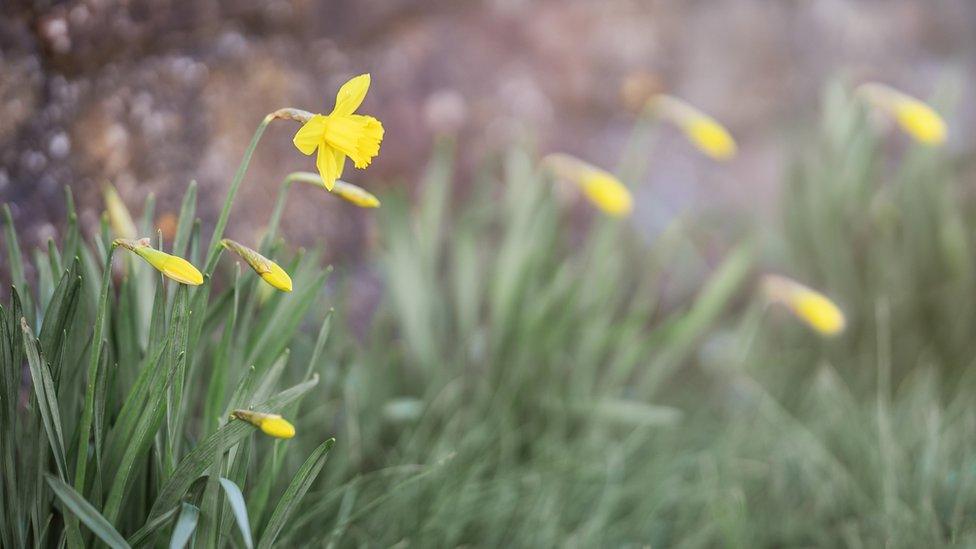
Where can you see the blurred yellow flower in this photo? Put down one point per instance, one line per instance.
(342, 133)
(355, 194)
(915, 117)
(272, 425)
(704, 132)
(267, 269)
(172, 266)
(118, 215)
(600, 187)
(810, 306)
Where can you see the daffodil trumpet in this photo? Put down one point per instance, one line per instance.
(600, 187)
(813, 308)
(173, 267)
(342, 133)
(272, 425)
(915, 117)
(703, 131)
(268, 270)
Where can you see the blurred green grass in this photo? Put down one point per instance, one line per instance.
(528, 379)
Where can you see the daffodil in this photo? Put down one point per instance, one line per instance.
(272, 425)
(118, 215)
(342, 133)
(810, 306)
(917, 119)
(600, 187)
(704, 132)
(267, 269)
(172, 266)
(355, 194)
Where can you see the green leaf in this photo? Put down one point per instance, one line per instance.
(199, 459)
(153, 526)
(84, 428)
(47, 398)
(152, 414)
(187, 212)
(16, 263)
(296, 491)
(185, 525)
(88, 514)
(236, 500)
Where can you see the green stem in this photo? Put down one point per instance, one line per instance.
(272, 233)
(218, 233)
(283, 114)
(81, 466)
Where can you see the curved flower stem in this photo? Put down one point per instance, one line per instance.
(284, 114)
(272, 232)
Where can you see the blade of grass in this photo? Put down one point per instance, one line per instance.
(293, 495)
(95, 522)
(236, 500)
(84, 428)
(199, 459)
(47, 398)
(185, 525)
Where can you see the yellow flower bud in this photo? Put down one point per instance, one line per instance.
(267, 269)
(813, 308)
(355, 194)
(916, 118)
(604, 190)
(172, 266)
(703, 131)
(118, 215)
(272, 425)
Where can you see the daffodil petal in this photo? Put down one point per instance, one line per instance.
(270, 271)
(325, 161)
(711, 138)
(921, 122)
(272, 425)
(601, 188)
(810, 306)
(355, 194)
(607, 193)
(915, 117)
(819, 312)
(277, 427)
(278, 278)
(340, 159)
(310, 135)
(703, 131)
(351, 95)
(171, 266)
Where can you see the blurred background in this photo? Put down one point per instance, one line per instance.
(151, 94)
(508, 366)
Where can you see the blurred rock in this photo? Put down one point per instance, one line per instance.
(151, 94)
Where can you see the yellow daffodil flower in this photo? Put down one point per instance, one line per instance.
(118, 215)
(272, 425)
(172, 266)
(342, 133)
(355, 194)
(812, 307)
(600, 187)
(917, 119)
(704, 132)
(267, 269)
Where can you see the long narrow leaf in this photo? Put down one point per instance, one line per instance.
(296, 491)
(88, 514)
